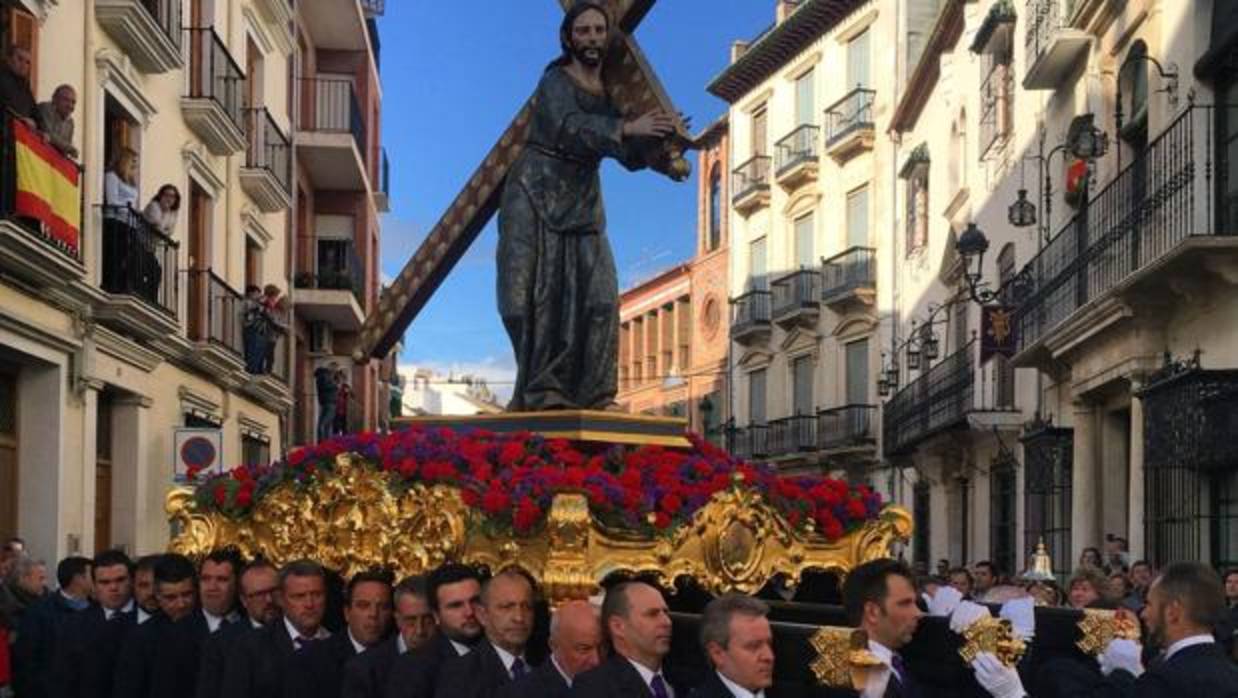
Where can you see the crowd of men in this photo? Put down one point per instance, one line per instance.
(162, 626)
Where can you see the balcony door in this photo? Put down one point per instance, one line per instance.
(760, 132)
(199, 220)
(756, 265)
(201, 16)
(858, 62)
(857, 218)
(805, 99)
(8, 453)
(857, 373)
(756, 397)
(1227, 156)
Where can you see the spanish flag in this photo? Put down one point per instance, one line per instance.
(48, 186)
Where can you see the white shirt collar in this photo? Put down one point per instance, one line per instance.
(737, 690)
(1188, 642)
(212, 621)
(401, 646)
(293, 633)
(255, 624)
(461, 648)
(109, 613)
(559, 668)
(508, 659)
(143, 616)
(647, 674)
(357, 646)
(885, 654)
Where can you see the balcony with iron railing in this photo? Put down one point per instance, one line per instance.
(213, 105)
(335, 292)
(751, 441)
(148, 31)
(382, 194)
(40, 244)
(750, 184)
(332, 138)
(996, 99)
(1156, 220)
(938, 400)
(795, 157)
(849, 125)
(215, 323)
(751, 314)
(1052, 47)
(847, 428)
(790, 436)
(849, 278)
(796, 298)
(139, 274)
(268, 162)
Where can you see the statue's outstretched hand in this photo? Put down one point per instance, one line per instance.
(656, 123)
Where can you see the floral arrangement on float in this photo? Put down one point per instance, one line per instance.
(566, 511)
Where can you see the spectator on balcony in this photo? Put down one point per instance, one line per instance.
(162, 210)
(57, 119)
(120, 197)
(341, 403)
(253, 329)
(15, 93)
(325, 378)
(276, 306)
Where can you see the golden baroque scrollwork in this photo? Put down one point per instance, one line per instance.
(352, 520)
(843, 658)
(1100, 627)
(995, 636)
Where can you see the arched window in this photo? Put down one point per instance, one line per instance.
(715, 209)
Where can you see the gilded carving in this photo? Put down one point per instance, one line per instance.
(1099, 627)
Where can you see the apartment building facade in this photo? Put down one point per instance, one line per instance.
(117, 331)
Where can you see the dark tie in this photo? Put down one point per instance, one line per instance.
(659, 687)
(519, 668)
(906, 685)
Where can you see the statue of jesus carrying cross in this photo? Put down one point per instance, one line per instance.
(557, 287)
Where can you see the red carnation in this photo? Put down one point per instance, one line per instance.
(495, 501)
(661, 521)
(471, 498)
(855, 509)
(296, 457)
(830, 527)
(671, 504)
(703, 469)
(244, 497)
(511, 452)
(527, 514)
(221, 494)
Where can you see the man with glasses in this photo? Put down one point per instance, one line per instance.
(366, 675)
(259, 585)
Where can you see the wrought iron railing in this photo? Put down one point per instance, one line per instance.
(384, 176)
(849, 114)
(797, 147)
(214, 74)
(138, 260)
(1160, 200)
(996, 117)
(215, 311)
(331, 105)
(749, 177)
(374, 7)
(339, 269)
(751, 441)
(848, 425)
(1044, 19)
(937, 400)
(796, 291)
(850, 270)
(750, 310)
(791, 435)
(269, 149)
(167, 15)
(1048, 455)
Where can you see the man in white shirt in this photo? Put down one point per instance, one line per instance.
(737, 638)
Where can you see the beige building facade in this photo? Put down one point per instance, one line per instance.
(108, 348)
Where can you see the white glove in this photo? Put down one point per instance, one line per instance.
(1022, 616)
(966, 614)
(875, 684)
(944, 601)
(999, 680)
(1122, 654)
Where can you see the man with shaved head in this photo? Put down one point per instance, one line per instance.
(575, 647)
(506, 615)
(638, 623)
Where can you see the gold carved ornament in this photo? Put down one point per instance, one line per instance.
(843, 658)
(351, 520)
(995, 636)
(1100, 627)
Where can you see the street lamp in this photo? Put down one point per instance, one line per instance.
(971, 246)
(1022, 212)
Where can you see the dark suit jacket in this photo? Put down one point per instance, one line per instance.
(318, 670)
(37, 637)
(478, 674)
(1198, 670)
(617, 678)
(365, 675)
(174, 669)
(258, 666)
(132, 677)
(713, 687)
(214, 656)
(543, 682)
(415, 674)
(86, 657)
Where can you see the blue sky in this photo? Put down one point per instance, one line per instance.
(454, 75)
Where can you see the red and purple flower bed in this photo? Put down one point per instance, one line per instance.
(512, 478)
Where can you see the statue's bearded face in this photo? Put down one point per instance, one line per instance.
(589, 34)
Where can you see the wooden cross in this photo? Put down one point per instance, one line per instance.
(633, 88)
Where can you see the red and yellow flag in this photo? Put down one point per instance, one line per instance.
(48, 186)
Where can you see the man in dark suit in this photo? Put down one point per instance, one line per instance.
(318, 671)
(144, 587)
(42, 626)
(635, 617)
(506, 616)
(880, 598)
(175, 670)
(575, 647)
(176, 585)
(86, 657)
(365, 676)
(738, 640)
(1184, 605)
(258, 666)
(454, 592)
(259, 583)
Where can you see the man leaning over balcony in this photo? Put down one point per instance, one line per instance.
(57, 119)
